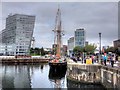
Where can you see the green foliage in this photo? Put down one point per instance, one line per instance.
(54, 50)
(90, 48)
(77, 50)
(38, 51)
(42, 51)
(110, 49)
(117, 51)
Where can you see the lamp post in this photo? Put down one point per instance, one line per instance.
(6, 49)
(99, 47)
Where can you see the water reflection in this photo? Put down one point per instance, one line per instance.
(28, 76)
(35, 76)
(16, 77)
(57, 78)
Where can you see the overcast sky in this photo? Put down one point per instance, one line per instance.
(95, 17)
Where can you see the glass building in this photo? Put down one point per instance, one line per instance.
(70, 46)
(80, 37)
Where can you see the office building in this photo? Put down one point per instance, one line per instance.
(64, 50)
(86, 43)
(70, 46)
(18, 33)
(80, 37)
(116, 43)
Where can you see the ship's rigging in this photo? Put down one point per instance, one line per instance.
(58, 33)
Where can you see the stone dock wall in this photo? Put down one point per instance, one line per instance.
(110, 77)
(94, 74)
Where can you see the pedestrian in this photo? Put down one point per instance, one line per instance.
(74, 59)
(97, 57)
(92, 58)
(112, 61)
(78, 58)
(105, 58)
(116, 58)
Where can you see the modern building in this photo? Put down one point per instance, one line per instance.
(116, 43)
(7, 49)
(64, 50)
(33, 42)
(18, 33)
(80, 37)
(70, 46)
(86, 43)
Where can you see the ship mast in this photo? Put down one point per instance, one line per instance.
(58, 31)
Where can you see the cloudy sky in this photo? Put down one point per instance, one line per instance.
(95, 17)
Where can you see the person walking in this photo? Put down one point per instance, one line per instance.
(111, 60)
(105, 58)
(93, 59)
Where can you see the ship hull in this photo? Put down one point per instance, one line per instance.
(58, 66)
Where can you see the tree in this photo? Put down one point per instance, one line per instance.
(110, 49)
(90, 48)
(31, 50)
(54, 51)
(42, 51)
(77, 50)
(117, 51)
(35, 51)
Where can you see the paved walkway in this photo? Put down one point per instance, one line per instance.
(69, 61)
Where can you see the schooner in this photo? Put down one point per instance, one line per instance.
(59, 62)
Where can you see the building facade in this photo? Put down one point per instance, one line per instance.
(79, 37)
(18, 33)
(116, 43)
(64, 50)
(70, 46)
(86, 43)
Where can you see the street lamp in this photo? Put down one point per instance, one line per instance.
(6, 49)
(99, 47)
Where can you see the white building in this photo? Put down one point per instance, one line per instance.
(18, 33)
(7, 49)
(70, 46)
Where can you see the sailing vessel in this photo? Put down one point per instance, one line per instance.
(59, 62)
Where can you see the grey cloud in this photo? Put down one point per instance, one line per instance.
(95, 17)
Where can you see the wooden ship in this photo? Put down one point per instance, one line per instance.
(59, 62)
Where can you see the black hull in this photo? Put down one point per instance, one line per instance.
(58, 66)
(56, 74)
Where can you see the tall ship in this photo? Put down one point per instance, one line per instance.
(59, 62)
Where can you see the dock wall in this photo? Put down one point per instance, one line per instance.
(94, 74)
